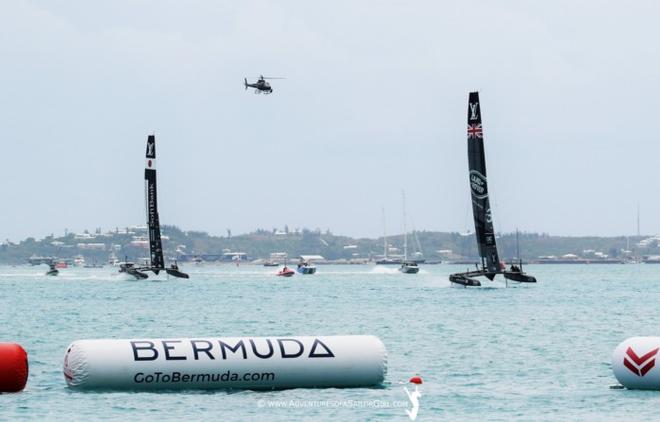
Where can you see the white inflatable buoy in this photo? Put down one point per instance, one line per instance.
(634, 363)
(230, 362)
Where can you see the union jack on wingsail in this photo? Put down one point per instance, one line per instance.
(475, 131)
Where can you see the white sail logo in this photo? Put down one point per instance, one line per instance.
(478, 185)
(150, 149)
(414, 401)
(473, 111)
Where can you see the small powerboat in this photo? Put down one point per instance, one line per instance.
(306, 268)
(409, 267)
(285, 272)
(52, 271)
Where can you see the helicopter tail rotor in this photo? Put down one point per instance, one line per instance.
(245, 84)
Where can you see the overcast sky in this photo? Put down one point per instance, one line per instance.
(375, 101)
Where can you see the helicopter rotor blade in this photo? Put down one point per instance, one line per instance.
(267, 77)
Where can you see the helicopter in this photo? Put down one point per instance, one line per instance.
(261, 85)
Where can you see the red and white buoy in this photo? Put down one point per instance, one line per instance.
(634, 363)
(13, 368)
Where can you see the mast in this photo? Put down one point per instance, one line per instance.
(483, 220)
(638, 219)
(518, 247)
(153, 223)
(417, 244)
(384, 236)
(405, 233)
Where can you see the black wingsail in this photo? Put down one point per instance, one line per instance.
(483, 219)
(153, 223)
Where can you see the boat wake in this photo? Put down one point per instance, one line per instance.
(384, 270)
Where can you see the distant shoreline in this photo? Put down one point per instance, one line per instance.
(131, 243)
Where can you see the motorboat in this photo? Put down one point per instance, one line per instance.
(409, 267)
(285, 272)
(305, 267)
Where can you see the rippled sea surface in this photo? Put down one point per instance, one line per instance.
(530, 352)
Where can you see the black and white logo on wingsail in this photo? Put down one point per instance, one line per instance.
(478, 185)
(473, 111)
(151, 146)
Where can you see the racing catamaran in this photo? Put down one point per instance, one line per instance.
(157, 262)
(483, 219)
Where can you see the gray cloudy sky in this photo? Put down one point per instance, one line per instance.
(375, 101)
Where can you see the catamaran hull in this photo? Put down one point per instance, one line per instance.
(123, 276)
(163, 275)
(463, 281)
(306, 270)
(519, 277)
(135, 274)
(176, 273)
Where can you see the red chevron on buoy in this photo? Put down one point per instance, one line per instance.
(636, 364)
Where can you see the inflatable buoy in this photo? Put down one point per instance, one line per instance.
(635, 365)
(416, 380)
(13, 368)
(235, 362)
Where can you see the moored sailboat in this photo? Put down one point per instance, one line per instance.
(386, 259)
(481, 211)
(156, 261)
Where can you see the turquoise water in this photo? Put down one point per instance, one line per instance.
(528, 352)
